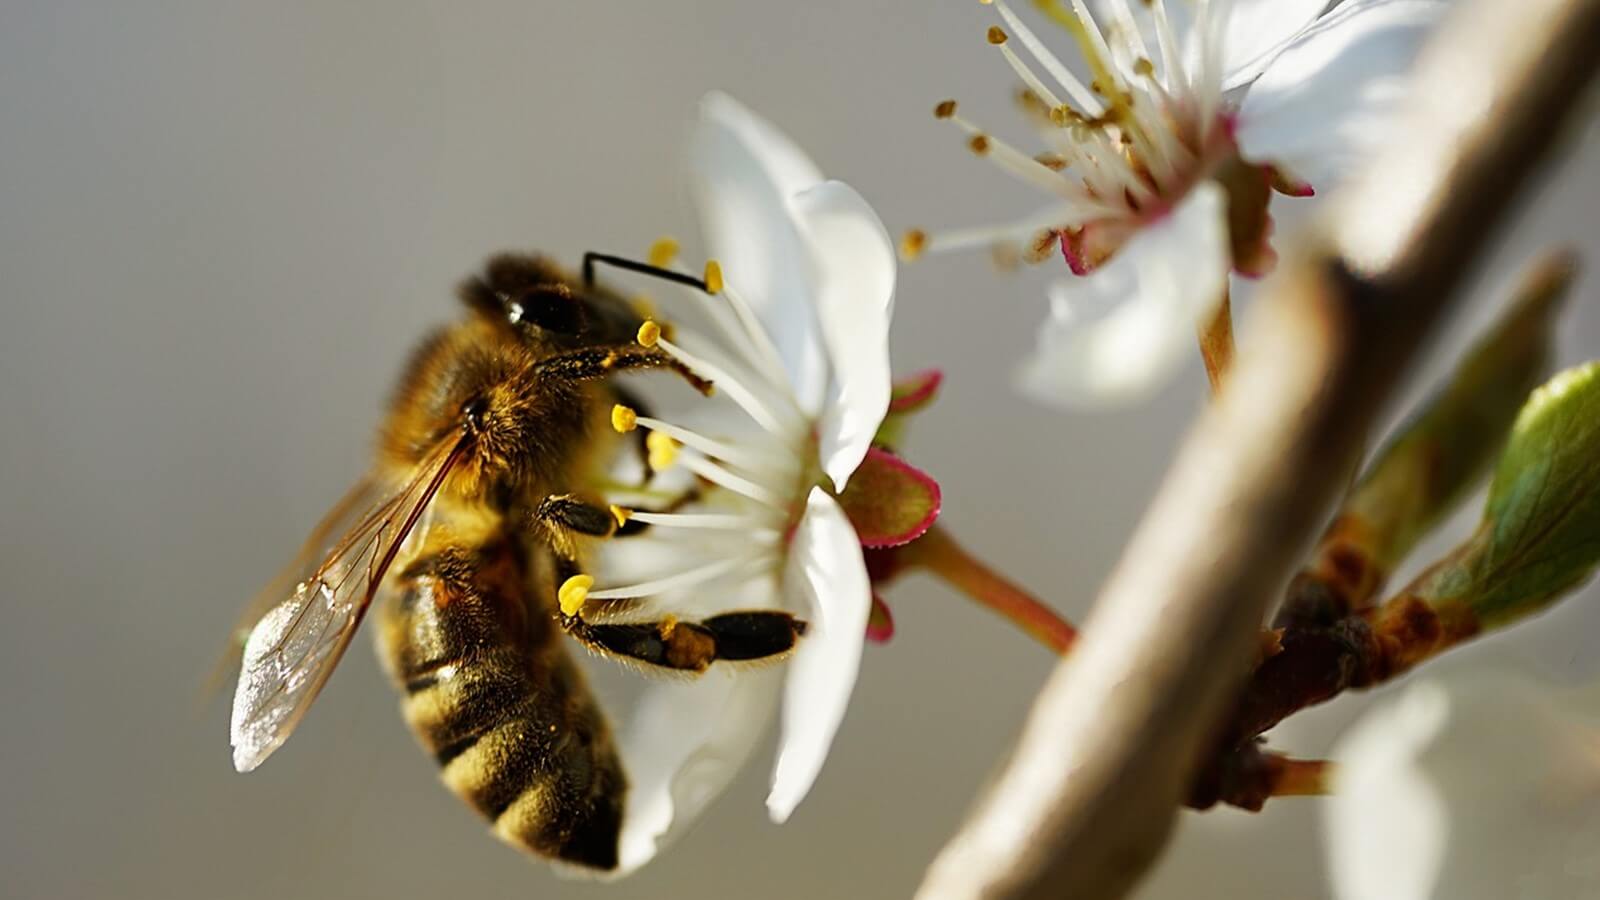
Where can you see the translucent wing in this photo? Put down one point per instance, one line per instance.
(293, 649)
(354, 506)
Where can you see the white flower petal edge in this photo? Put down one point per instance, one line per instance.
(1469, 787)
(1256, 31)
(855, 262)
(744, 176)
(683, 746)
(1332, 95)
(825, 567)
(1386, 822)
(1118, 332)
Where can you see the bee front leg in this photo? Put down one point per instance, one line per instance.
(591, 363)
(571, 514)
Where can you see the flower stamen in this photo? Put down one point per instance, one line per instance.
(678, 581)
(747, 400)
(623, 418)
(574, 592)
(998, 38)
(739, 484)
(1018, 164)
(713, 277)
(662, 451)
(705, 521)
(1085, 99)
(663, 252)
(711, 447)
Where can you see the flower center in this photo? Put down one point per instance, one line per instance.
(750, 488)
(1122, 150)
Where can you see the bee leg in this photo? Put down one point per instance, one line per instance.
(672, 643)
(685, 646)
(566, 512)
(573, 514)
(590, 363)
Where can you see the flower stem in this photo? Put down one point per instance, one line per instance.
(1247, 775)
(1216, 342)
(939, 553)
(1301, 777)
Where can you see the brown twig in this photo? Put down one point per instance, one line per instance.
(1115, 738)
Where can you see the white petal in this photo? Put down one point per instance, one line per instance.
(745, 174)
(686, 742)
(855, 262)
(1469, 788)
(827, 574)
(1332, 95)
(1116, 334)
(1257, 31)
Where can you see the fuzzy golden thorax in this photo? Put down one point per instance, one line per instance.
(525, 430)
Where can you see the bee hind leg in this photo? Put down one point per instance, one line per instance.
(684, 646)
(669, 642)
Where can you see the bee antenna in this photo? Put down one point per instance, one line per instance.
(633, 265)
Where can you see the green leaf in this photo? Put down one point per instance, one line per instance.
(1434, 461)
(1541, 532)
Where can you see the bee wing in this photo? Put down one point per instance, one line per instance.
(293, 649)
(358, 501)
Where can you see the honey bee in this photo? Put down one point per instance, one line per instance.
(482, 506)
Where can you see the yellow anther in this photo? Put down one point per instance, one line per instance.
(1144, 67)
(912, 244)
(979, 144)
(669, 624)
(945, 109)
(574, 591)
(662, 451)
(649, 333)
(621, 514)
(663, 252)
(997, 35)
(1051, 161)
(624, 419)
(713, 277)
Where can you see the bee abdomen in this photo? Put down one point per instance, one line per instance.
(511, 723)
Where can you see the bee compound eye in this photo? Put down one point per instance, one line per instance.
(472, 413)
(554, 310)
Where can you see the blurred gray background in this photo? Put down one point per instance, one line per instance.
(222, 226)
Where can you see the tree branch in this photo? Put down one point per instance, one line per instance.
(1115, 738)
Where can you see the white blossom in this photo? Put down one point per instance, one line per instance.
(800, 355)
(1160, 167)
(1482, 788)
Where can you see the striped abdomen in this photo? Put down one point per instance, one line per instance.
(493, 695)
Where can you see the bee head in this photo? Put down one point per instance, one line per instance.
(528, 295)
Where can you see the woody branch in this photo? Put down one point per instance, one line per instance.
(1115, 738)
